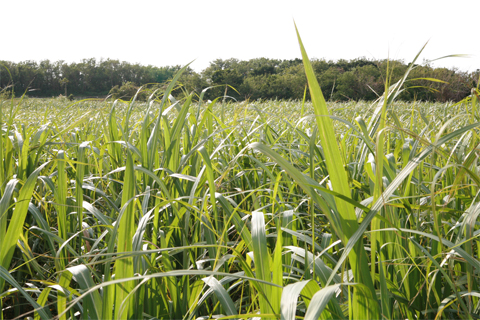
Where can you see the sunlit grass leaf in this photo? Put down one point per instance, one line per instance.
(338, 176)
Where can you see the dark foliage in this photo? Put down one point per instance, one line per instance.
(261, 78)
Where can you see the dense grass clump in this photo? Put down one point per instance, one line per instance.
(280, 209)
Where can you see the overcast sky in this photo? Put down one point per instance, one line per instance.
(176, 32)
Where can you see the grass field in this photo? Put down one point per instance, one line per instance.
(277, 209)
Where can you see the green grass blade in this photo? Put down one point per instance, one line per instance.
(338, 176)
(126, 229)
(16, 222)
(61, 205)
(64, 283)
(320, 301)
(222, 295)
(261, 258)
(289, 300)
(92, 305)
(4, 205)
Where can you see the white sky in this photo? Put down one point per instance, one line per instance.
(175, 32)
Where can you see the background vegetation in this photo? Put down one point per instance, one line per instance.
(342, 80)
(86, 78)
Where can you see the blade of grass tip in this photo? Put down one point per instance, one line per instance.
(177, 127)
(144, 134)
(5, 204)
(152, 141)
(303, 101)
(200, 101)
(112, 130)
(126, 129)
(338, 175)
(336, 170)
(391, 93)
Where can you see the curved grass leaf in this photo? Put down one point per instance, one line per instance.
(320, 301)
(222, 295)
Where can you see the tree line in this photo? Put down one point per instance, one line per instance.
(89, 77)
(261, 78)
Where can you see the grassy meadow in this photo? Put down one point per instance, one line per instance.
(255, 210)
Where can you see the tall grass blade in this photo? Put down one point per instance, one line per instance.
(15, 226)
(261, 259)
(338, 177)
(126, 229)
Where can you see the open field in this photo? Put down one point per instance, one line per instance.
(179, 211)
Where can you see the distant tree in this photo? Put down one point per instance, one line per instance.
(64, 83)
(191, 81)
(328, 81)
